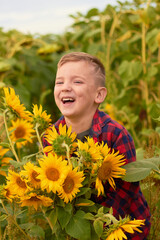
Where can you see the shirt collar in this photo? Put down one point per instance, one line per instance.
(99, 120)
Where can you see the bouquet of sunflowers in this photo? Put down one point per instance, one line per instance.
(47, 191)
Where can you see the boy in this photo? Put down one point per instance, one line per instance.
(79, 89)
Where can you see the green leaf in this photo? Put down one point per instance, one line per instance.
(23, 93)
(82, 191)
(20, 140)
(129, 71)
(135, 175)
(100, 210)
(98, 227)
(3, 217)
(53, 216)
(152, 72)
(44, 95)
(37, 231)
(2, 179)
(4, 66)
(3, 144)
(84, 202)
(151, 39)
(157, 129)
(89, 216)
(155, 111)
(139, 154)
(26, 226)
(92, 12)
(136, 171)
(20, 213)
(64, 216)
(79, 227)
(16, 164)
(94, 236)
(91, 34)
(154, 160)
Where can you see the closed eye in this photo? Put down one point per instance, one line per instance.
(80, 82)
(58, 82)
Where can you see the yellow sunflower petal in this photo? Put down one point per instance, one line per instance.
(52, 172)
(13, 103)
(35, 200)
(21, 129)
(71, 184)
(99, 186)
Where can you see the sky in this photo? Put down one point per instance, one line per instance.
(44, 16)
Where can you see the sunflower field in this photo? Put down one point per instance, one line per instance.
(38, 201)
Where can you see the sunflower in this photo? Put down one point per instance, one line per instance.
(4, 161)
(111, 110)
(88, 152)
(91, 142)
(71, 184)
(41, 117)
(17, 183)
(21, 129)
(52, 172)
(13, 103)
(104, 149)
(116, 231)
(35, 200)
(57, 140)
(7, 192)
(31, 172)
(110, 168)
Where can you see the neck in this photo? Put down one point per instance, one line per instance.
(79, 125)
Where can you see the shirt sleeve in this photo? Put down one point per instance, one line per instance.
(127, 199)
(125, 145)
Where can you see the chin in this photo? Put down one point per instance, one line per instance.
(67, 114)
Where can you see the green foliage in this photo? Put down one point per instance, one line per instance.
(126, 38)
(136, 171)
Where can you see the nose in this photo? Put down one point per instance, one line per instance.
(66, 87)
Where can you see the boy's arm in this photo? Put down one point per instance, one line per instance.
(125, 145)
(128, 198)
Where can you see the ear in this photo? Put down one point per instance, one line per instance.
(100, 95)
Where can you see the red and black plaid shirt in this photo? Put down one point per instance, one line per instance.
(128, 198)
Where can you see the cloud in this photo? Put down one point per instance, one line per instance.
(39, 16)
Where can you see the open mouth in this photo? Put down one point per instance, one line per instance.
(67, 100)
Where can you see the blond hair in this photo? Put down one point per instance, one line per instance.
(94, 61)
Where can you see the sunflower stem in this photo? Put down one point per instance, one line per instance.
(38, 137)
(31, 155)
(79, 162)
(48, 220)
(67, 152)
(10, 142)
(14, 220)
(111, 217)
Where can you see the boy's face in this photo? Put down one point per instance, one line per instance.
(75, 90)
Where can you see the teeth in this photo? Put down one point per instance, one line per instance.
(67, 99)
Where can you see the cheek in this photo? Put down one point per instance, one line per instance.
(55, 92)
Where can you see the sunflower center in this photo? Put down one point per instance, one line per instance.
(68, 185)
(20, 132)
(35, 199)
(52, 174)
(104, 172)
(20, 183)
(34, 176)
